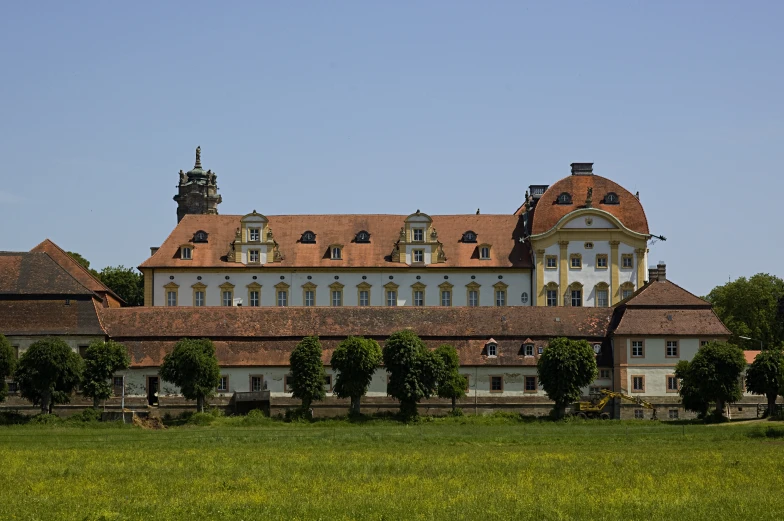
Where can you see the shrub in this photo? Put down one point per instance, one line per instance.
(45, 419)
(255, 417)
(87, 415)
(456, 412)
(201, 419)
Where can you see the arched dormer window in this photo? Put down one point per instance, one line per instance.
(469, 236)
(308, 238)
(611, 198)
(491, 348)
(362, 237)
(200, 236)
(564, 198)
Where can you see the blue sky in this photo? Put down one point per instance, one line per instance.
(370, 107)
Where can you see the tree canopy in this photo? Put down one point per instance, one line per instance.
(451, 384)
(712, 376)
(307, 371)
(193, 367)
(7, 365)
(101, 361)
(765, 376)
(84, 262)
(128, 283)
(414, 370)
(564, 368)
(48, 372)
(753, 308)
(356, 360)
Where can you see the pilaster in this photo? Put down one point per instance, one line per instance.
(563, 271)
(615, 290)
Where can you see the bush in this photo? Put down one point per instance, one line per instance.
(769, 431)
(201, 419)
(215, 412)
(13, 418)
(87, 415)
(45, 419)
(297, 415)
(457, 412)
(255, 417)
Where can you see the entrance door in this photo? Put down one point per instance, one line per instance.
(152, 390)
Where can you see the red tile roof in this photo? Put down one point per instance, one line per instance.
(665, 294)
(500, 231)
(49, 317)
(750, 356)
(23, 273)
(547, 213)
(662, 321)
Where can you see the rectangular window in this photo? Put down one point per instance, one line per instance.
(186, 253)
(83, 350)
(171, 298)
(627, 260)
(638, 349)
(601, 260)
(337, 297)
(419, 255)
(577, 298)
(13, 387)
(491, 349)
(473, 298)
(672, 349)
(256, 384)
(446, 298)
(672, 414)
(604, 373)
(468, 381)
(228, 298)
(253, 256)
(639, 414)
(198, 298)
(364, 297)
(626, 293)
(418, 234)
(117, 385)
(254, 298)
(419, 298)
(391, 298)
(672, 384)
(638, 384)
(576, 261)
(602, 299)
(223, 384)
(594, 389)
(551, 262)
(530, 384)
(500, 298)
(496, 384)
(540, 350)
(328, 383)
(552, 297)
(287, 383)
(254, 234)
(484, 252)
(528, 349)
(337, 254)
(704, 342)
(283, 298)
(310, 297)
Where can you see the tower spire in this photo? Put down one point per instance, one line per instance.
(198, 158)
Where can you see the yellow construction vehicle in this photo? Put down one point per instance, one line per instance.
(595, 408)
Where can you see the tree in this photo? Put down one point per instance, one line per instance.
(356, 360)
(452, 384)
(193, 367)
(414, 370)
(128, 283)
(101, 361)
(307, 372)
(84, 262)
(564, 368)
(7, 365)
(48, 372)
(750, 308)
(765, 376)
(712, 376)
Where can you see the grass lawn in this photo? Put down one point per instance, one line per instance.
(450, 468)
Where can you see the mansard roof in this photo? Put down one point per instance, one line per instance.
(25, 273)
(501, 231)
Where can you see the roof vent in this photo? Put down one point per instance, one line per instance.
(154, 250)
(582, 168)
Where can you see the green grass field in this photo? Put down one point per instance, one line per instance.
(450, 468)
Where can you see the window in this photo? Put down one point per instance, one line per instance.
(601, 261)
(672, 384)
(588, 245)
(308, 238)
(602, 299)
(492, 349)
(256, 383)
(500, 297)
(604, 373)
(254, 255)
(469, 236)
(594, 389)
(551, 262)
(704, 342)
(287, 381)
(473, 298)
(468, 381)
(13, 387)
(611, 198)
(228, 298)
(672, 414)
(524, 298)
(82, 350)
(364, 297)
(672, 349)
(446, 297)
(626, 292)
(540, 350)
(638, 348)
(391, 297)
(185, 253)
(639, 414)
(253, 298)
(496, 384)
(528, 349)
(419, 255)
(418, 234)
(530, 384)
(576, 261)
(627, 260)
(564, 198)
(552, 297)
(254, 234)
(638, 384)
(223, 384)
(419, 297)
(310, 297)
(171, 298)
(117, 385)
(283, 298)
(200, 236)
(577, 298)
(337, 253)
(362, 236)
(484, 252)
(328, 383)
(337, 297)
(198, 298)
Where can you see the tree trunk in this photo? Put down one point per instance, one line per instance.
(355, 405)
(200, 403)
(95, 402)
(720, 408)
(771, 405)
(454, 403)
(46, 397)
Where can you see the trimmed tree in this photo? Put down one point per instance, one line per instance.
(7, 365)
(356, 360)
(414, 370)
(564, 368)
(765, 376)
(307, 372)
(712, 376)
(193, 367)
(48, 372)
(101, 361)
(452, 384)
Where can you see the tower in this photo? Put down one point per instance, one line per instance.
(198, 191)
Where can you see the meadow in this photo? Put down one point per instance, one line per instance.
(446, 468)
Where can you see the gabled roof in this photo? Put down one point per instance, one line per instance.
(665, 294)
(500, 231)
(76, 270)
(24, 273)
(49, 317)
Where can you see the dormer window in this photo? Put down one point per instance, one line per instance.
(469, 236)
(492, 349)
(200, 236)
(418, 234)
(254, 256)
(611, 198)
(186, 253)
(564, 198)
(528, 349)
(362, 236)
(484, 252)
(308, 238)
(254, 234)
(337, 252)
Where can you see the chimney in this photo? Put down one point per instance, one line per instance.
(653, 274)
(154, 250)
(582, 168)
(661, 268)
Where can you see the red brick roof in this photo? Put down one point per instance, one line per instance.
(750, 356)
(547, 213)
(500, 231)
(660, 321)
(23, 273)
(49, 317)
(665, 294)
